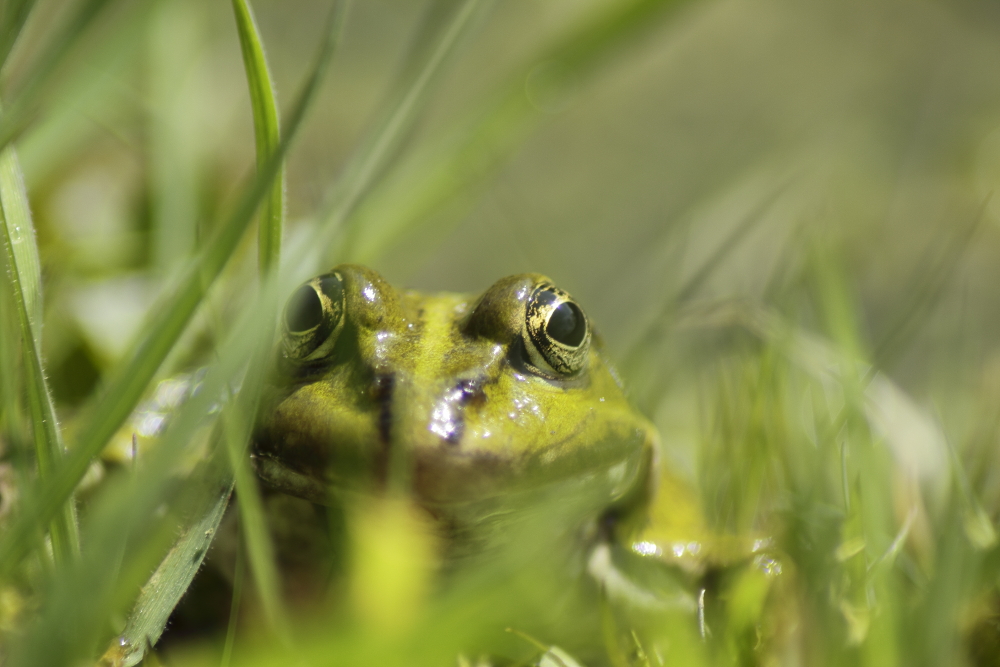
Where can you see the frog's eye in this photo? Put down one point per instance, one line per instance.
(556, 332)
(313, 318)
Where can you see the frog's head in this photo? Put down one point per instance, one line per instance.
(461, 398)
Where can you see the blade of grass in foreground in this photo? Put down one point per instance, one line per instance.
(13, 423)
(242, 412)
(175, 573)
(158, 337)
(267, 133)
(167, 585)
(26, 290)
(129, 510)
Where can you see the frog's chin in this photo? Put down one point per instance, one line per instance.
(282, 478)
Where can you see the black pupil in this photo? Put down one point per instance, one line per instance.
(567, 325)
(304, 310)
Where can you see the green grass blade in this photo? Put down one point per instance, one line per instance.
(129, 511)
(363, 167)
(12, 413)
(169, 582)
(22, 249)
(83, 597)
(160, 333)
(234, 610)
(13, 14)
(237, 426)
(267, 133)
(23, 105)
(260, 551)
(639, 351)
(26, 289)
(451, 169)
(927, 285)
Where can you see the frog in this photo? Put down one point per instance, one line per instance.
(473, 404)
(478, 398)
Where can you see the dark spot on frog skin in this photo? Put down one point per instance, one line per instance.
(381, 391)
(382, 387)
(472, 391)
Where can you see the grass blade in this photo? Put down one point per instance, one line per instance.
(13, 424)
(13, 14)
(267, 133)
(457, 165)
(647, 340)
(236, 426)
(24, 104)
(26, 289)
(168, 583)
(159, 334)
(178, 567)
(129, 510)
(936, 269)
(363, 167)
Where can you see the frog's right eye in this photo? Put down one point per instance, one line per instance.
(313, 318)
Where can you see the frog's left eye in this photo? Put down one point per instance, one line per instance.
(313, 318)
(556, 332)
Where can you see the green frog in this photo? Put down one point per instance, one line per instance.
(472, 398)
(471, 405)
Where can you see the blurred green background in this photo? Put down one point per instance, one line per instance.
(719, 150)
(866, 130)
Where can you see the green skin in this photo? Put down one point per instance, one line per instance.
(439, 392)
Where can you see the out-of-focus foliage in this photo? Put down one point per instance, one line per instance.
(779, 215)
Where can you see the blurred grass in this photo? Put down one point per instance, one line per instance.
(24, 275)
(825, 367)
